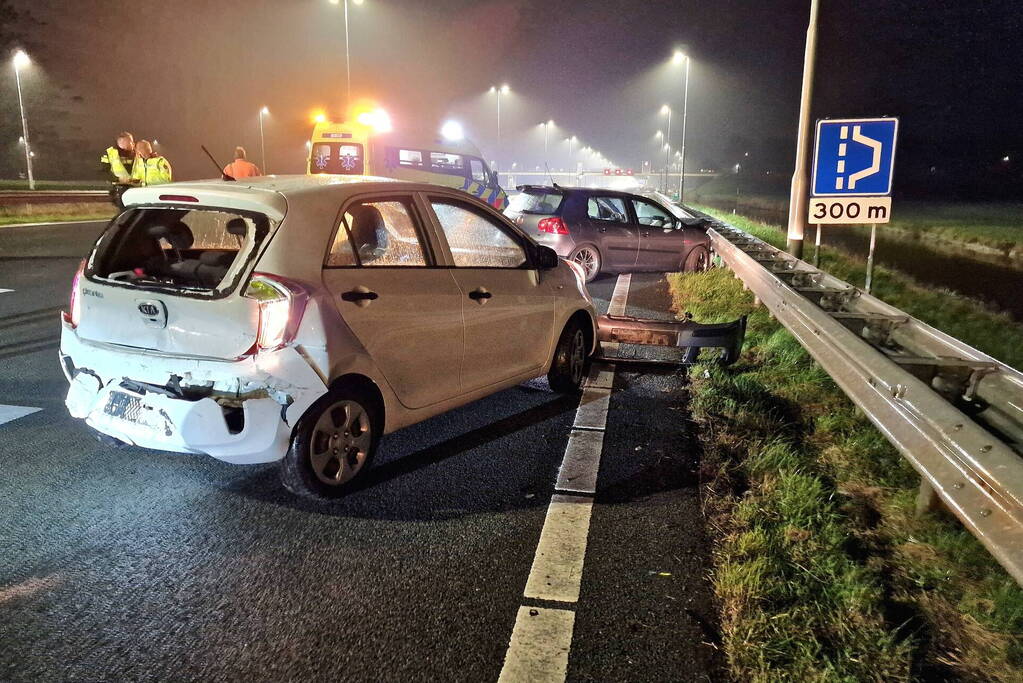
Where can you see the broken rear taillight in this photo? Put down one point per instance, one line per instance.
(75, 299)
(281, 305)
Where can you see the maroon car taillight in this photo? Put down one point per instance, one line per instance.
(553, 226)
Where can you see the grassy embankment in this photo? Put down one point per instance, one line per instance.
(994, 225)
(52, 213)
(822, 569)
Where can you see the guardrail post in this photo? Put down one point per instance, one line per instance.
(927, 499)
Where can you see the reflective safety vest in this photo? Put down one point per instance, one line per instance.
(121, 162)
(155, 170)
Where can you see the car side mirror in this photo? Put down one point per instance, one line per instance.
(546, 258)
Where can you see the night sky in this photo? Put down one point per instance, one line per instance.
(190, 73)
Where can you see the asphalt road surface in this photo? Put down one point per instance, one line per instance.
(127, 564)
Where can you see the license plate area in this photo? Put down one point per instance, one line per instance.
(129, 408)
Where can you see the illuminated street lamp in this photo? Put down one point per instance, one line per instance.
(348, 56)
(546, 135)
(20, 61)
(678, 58)
(452, 130)
(262, 146)
(498, 91)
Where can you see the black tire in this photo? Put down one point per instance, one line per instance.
(333, 443)
(697, 261)
(571, 360)
(587, 256)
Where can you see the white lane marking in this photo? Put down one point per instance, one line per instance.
(592, 410)
(539, 646)
(10, 413)
(558, 564)
(541, 638)
(578, 473)
(4, 291)
(620, 295)
(36, 225)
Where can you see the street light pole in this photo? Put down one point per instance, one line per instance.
(348, 56)
(21, 59)
(262, 144)
(546, 135)
(799, 193)
(685, 111)
(667, 147)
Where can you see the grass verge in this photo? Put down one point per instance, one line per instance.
(822, 569)
(54, 213)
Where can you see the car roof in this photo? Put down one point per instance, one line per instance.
(269, 194)
(603, 192)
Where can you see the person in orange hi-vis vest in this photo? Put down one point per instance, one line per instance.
(240, 167)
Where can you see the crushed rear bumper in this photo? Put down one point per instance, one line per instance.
(240, 411)
(686, 334)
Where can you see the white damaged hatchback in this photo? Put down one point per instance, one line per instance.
(300, 318)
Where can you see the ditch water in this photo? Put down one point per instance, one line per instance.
(994, 281)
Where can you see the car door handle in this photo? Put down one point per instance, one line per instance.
(644, 234)
(360, 296)
(601, 229)
(480, 295)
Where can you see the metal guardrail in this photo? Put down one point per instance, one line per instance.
(9, 198)
(955, 413)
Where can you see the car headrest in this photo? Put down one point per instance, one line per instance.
(237, 226)
(368, 229)
(177, 234)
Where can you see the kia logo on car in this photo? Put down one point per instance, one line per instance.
(154, 313)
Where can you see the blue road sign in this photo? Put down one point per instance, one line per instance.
(854, 157)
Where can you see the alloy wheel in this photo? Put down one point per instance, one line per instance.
(588, 259)
(577, 357)
(340, 443)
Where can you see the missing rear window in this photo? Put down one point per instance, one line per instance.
(202, 251)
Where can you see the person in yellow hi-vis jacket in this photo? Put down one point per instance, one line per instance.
(150, 168)
(119, 160)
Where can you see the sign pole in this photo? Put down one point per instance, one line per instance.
(817, 246)
(799, 191)
(870, 257)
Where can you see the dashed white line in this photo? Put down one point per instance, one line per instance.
(542, 637)
(4, 291)
(539, 646)
(557, 568)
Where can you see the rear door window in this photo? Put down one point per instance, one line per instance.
(607, 209)
(175, 249)
(332, 157)
(476, 240)
(377, 233)
(536, 202)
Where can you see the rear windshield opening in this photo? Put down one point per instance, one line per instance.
(536, 201)
(195, 250)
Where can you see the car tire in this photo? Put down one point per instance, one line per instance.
(588, 257)
(696, 261)
(333, 443)
(571, 360)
